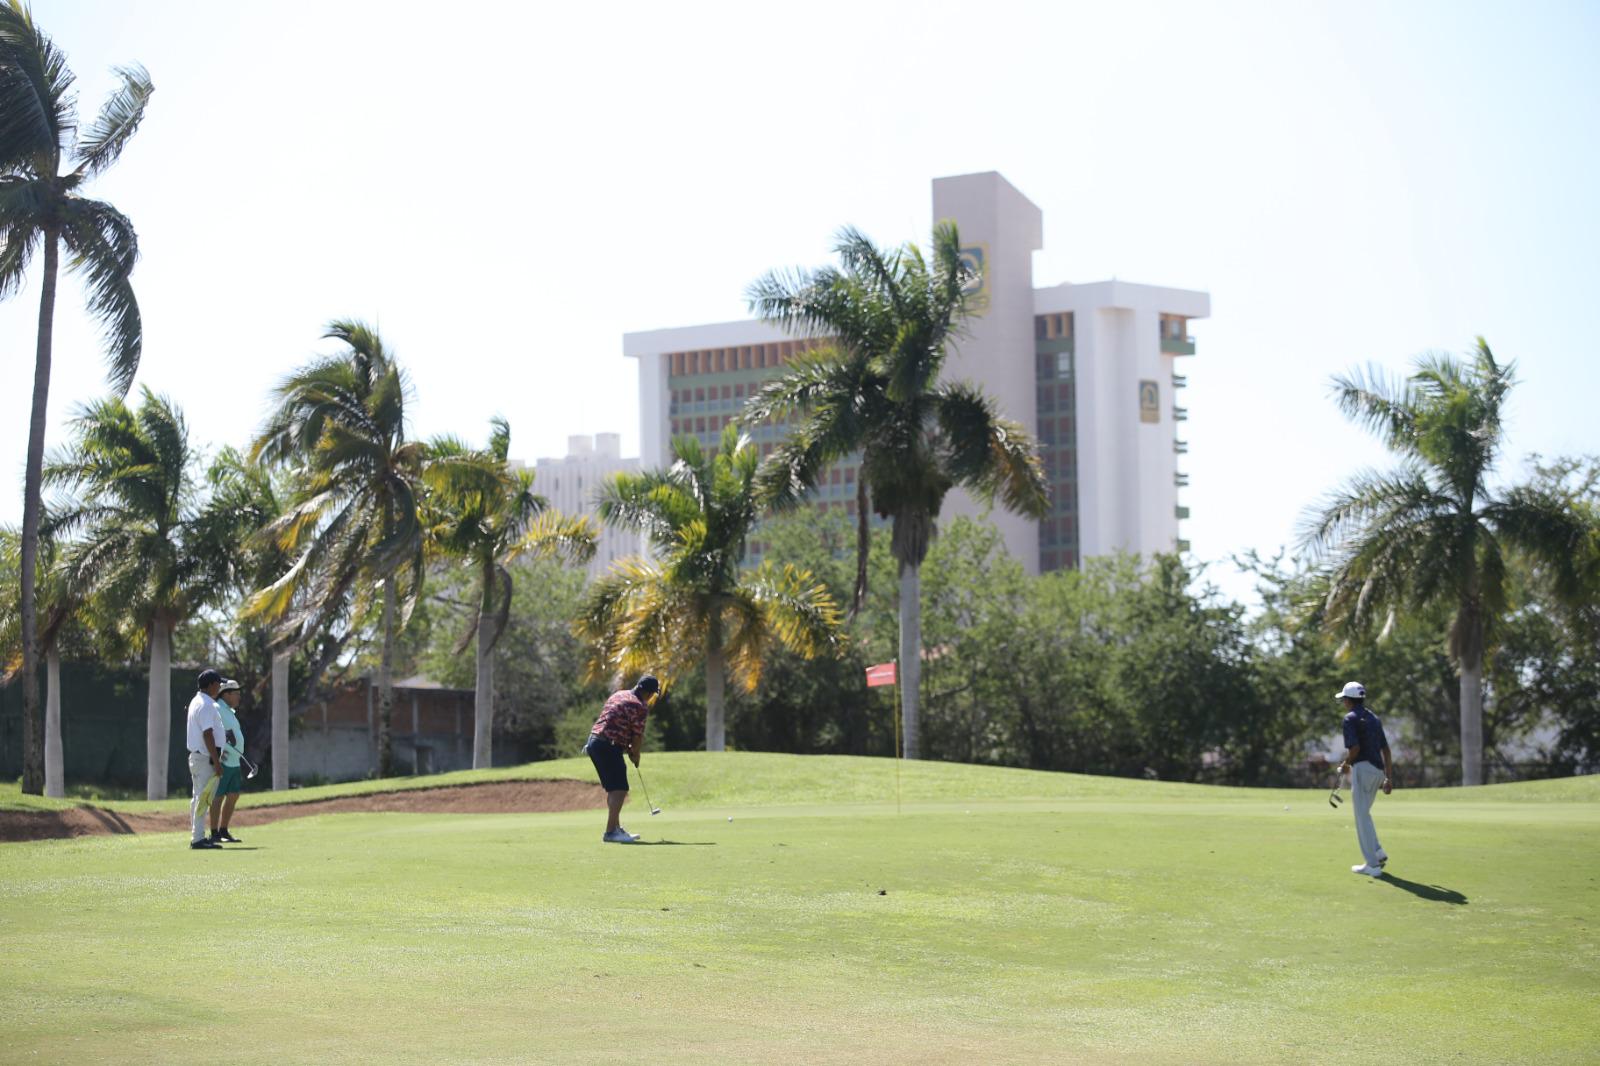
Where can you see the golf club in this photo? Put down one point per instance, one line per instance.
(654, 810)
(253, 768)
(1334, 799)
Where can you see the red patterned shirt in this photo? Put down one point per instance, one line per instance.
(622, 720)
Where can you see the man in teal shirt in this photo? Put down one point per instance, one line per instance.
(232, 780)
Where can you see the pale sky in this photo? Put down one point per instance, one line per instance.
(505, 190)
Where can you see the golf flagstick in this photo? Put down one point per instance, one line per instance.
(897, 737)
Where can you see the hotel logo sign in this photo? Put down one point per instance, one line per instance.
(975, 261)
(1149, 401)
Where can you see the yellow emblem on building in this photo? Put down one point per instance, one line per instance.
(975, 261)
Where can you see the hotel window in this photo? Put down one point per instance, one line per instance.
(727, 392)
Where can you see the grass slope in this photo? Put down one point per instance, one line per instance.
(1027, 918)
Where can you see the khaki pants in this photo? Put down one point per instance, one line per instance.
(205, 786)
(1365, 782)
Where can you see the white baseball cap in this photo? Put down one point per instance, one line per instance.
(1355, 690)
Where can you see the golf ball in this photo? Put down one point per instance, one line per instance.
(730, 817)
(1286, 808)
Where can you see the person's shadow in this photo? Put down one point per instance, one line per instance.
(1428, 892)
(677, 843)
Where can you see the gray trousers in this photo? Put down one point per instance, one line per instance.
(1365, 782)
(200, 806)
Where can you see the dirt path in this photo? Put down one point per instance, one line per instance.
(498, 798)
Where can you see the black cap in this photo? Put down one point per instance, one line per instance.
(208, 678)
(648, 683)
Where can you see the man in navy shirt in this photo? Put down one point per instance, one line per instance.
(1367, 758)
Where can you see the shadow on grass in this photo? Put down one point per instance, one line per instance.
(1427, 892)
(677, 843)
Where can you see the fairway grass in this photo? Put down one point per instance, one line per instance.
(1000, 916)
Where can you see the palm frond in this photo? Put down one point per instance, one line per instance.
(38, 109)
(799, 609)
(22, 210)
(1370, 500)
(555, 535)
(1385, 406)
(634, 617)
(103, 248)
(104, 139)
(1560, 535)
(650, 501)
(993, 455)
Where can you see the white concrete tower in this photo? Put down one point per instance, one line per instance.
(1000, 230)
(569, 483)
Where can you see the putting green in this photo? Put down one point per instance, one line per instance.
(1001, 916)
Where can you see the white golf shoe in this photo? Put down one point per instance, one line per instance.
(1370, 871)
(619, 835)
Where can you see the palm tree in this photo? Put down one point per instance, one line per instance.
(478, 509)
(696, 602)
(141, 548)
(1434, 531)
(42, 209)
(887, 320)
(353, 525)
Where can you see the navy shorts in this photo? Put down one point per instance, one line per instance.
(607, 759)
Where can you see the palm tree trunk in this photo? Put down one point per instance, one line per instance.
(863, 546)
(32, 734)
(385, 683)
(54, 782)
(910, 665)
(158, 720)
(1472, 718)
(280, 719)
(716, 731)
(483, 689)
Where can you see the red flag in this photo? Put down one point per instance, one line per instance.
(882, 674)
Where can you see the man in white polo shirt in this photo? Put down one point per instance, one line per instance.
(205, 754)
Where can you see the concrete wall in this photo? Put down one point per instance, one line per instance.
(337, 740)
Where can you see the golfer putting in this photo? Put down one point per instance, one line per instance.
(1366, 758)
(620, 730)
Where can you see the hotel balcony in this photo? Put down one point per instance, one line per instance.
(1177, 345)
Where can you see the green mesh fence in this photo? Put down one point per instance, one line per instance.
(102, 725)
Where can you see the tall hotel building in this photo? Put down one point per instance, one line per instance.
(1090, 370)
